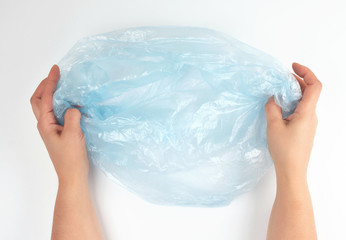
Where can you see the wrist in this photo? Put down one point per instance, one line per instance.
(73, 180)
(291, 180)
(291, 170)
(292, 186)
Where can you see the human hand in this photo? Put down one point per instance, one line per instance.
(65, 144)
(290, 140)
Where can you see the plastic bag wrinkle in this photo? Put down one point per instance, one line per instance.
(175, 114)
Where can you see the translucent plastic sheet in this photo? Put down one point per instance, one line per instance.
(175, 114)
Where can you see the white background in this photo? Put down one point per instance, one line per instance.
(36, 34)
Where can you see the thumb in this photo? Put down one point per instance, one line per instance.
(273, 112)
(72, 119)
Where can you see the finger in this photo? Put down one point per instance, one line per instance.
(301, 82)
(36, 98)
(305, 73)
(48, 130)
(273, 112)
(72, 120)
(312, 90)
(39, 90)
(47, 95)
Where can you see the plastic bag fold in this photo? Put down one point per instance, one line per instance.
(175, 114)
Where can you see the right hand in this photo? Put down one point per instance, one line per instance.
(290, 140)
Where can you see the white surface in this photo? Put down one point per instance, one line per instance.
(36, 34)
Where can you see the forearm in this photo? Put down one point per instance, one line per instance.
(290, 142)
(74, 215)
(292, 213)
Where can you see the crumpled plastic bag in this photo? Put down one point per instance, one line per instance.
(175, 114)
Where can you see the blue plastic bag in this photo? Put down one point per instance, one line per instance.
(175, 114)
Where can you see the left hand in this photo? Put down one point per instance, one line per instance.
(65, 144)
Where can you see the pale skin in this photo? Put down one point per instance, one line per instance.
(290, 143)
(74, 214)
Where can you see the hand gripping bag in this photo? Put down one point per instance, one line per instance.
(175, 114)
